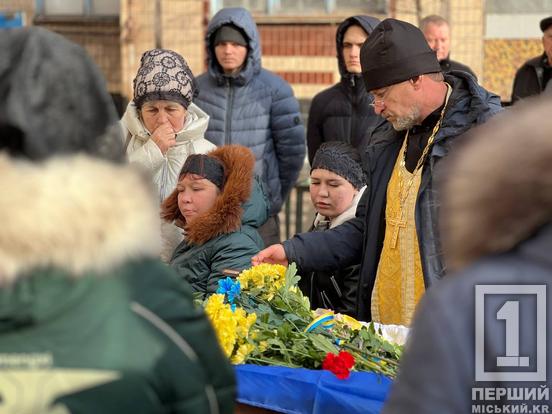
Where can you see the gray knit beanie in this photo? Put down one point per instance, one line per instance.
(164, 75)
(342, 159)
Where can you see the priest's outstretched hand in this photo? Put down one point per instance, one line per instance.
(274, 254)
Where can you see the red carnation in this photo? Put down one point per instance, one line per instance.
(340, 364)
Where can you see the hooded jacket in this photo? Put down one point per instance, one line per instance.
(225, 237)
(90, 321)
(529, 79)
(362, 237)
(255, 108)
(343, 112)
(497, 232)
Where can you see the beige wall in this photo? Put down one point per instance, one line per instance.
(466, 19)
(19, 5)
(181, 30)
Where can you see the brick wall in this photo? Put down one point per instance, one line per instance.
(304, 55)
(181, 28)
(100, 38)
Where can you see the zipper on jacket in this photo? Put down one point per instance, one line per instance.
(164, 179)
(354, 102)
(228, 120)
(336, 286)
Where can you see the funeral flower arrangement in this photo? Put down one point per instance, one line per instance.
(261, 317)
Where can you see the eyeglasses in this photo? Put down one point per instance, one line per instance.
(379, 98)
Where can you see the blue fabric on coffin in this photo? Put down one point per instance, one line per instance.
(298, 390)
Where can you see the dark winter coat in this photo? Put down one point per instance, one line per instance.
(529, 79)
(225, 237)
(342, 112)
(498, 232)
(335, 290)
(256, 109)
(448, 65)
(362, 237)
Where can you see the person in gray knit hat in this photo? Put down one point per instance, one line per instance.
(337, 183)
(163, 126)
(395, 234)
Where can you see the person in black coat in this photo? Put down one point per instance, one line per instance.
(413, 99)
(534, 76)
(497, 232)
(337, 183)
(343, 112)
(436, 30)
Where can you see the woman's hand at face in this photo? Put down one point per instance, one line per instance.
(164, 137)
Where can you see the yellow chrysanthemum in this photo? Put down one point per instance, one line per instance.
(231, 327)
(263, 345)
(242, 353)
(268, 277)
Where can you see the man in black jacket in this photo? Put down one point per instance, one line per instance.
(342, 112)
(425, 114)
(436, 30)
(532, 78)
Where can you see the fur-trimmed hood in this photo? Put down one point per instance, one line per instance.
(498, 186)
(233, 207)
(76, 213)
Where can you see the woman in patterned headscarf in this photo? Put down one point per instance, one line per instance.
(163, 126)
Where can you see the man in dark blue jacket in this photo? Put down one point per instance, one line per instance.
(343, 112)
(397, 219)
(251, 106)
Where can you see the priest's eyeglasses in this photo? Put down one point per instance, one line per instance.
(379, 97)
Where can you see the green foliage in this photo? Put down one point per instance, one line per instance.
(280, 336)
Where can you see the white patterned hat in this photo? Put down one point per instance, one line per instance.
(164, 75)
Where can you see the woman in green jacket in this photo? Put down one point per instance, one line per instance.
(219, 205)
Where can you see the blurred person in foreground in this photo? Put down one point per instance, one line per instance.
(163, 126)
(90, 320)
(436, 30)
(497, 230)
(395, 233)
(343, 112)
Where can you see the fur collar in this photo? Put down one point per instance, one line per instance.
(498, 185)
(77, 213)
(226, 215)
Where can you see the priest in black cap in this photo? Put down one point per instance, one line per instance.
(395, 232)
(534, 76)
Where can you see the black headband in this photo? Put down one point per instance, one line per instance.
(207, 167)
